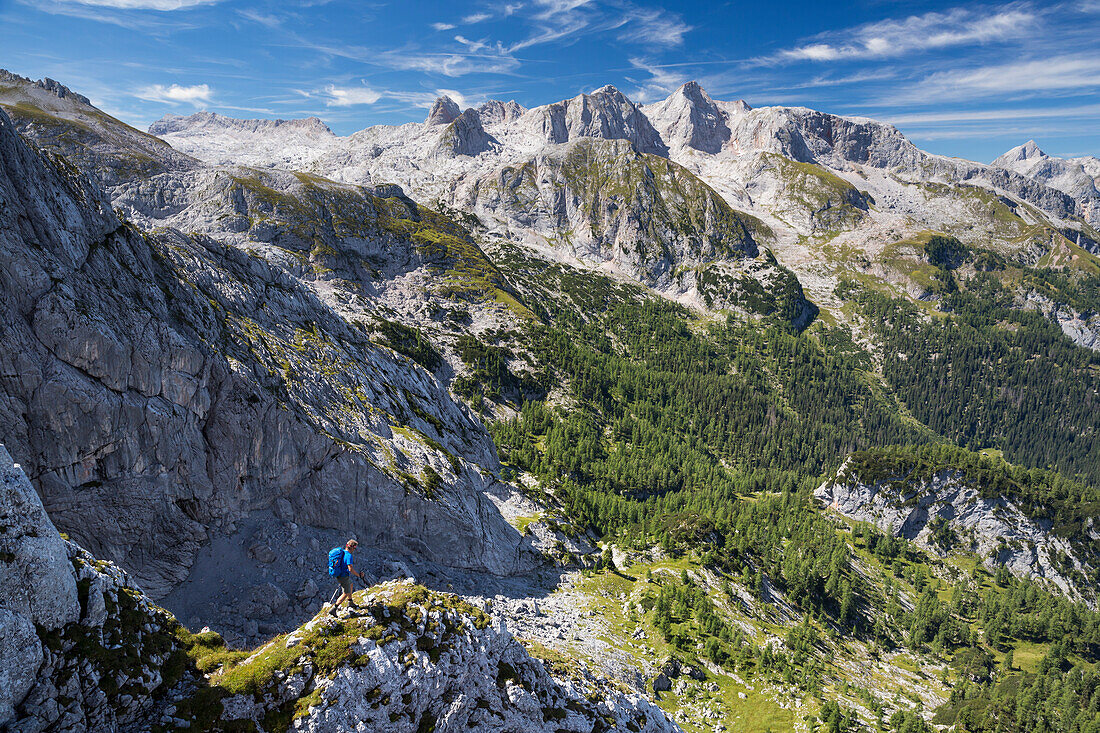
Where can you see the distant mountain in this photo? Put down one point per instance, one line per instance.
(225, 140)
(1078, 177)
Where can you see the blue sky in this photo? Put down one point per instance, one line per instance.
(961, 79)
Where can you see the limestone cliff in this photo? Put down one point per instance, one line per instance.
(158, 388)
(942, 511)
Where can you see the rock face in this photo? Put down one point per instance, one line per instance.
(465, 136)
(37, 585)
(212, 121)
(1081, 328)
(73, 631)
(640, 212)
(690, 118)
(443, 112)
(246, 142)
(993, 529)
(605, 114)
(157, 389)
(494, 111)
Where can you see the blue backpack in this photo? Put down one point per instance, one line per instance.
(336, 566)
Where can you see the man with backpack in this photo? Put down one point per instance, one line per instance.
(341, 566)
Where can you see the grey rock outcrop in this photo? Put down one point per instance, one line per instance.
(1081, 328)
(690, 118)
(994, 529)
(49, 85)
(104, 148)
(495, 111)
(74, 632)
(427, 661)
(465, 136)
(644, 215)
(443, 112)
(35, 575)
(809, 136)
(606, 114)
(214, 122)
(37, 585)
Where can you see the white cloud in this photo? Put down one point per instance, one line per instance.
(349, 96)
(476, 18)
(144, 4)
(550, 8)
(270, 21)
(983, 115)
(472, 46)
(458, 97)
(197, 95)
(443, 26)
(1050, 75)
(662, 81)
(656, 27)
(957, 27)
(493, 60)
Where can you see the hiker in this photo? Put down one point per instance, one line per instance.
(341, 566)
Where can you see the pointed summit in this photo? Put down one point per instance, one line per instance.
(497, 111)
(444, 112)
(1028, 152)
(690, 118)
(605, 113)
(465, 136)
(1031, 150)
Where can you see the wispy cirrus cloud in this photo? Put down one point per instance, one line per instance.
(444, 26)
(661, 82)
(486, 59)
(349, 96)
(197, 95)
(163, 5)
(265, 19)
(655, 26)
(1069, 73)
(336, 96)
(475, 18)
(984, 115)
(568, 20)
(896, 37)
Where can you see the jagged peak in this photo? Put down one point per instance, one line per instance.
(1028, 151)
(608, 89)
(443, 112)
(465, 135)
(495, 110)
(1031, 149)
(50, 85)
(694, 91)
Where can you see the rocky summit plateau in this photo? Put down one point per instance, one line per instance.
(689, 415)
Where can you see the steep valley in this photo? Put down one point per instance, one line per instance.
(679, 416)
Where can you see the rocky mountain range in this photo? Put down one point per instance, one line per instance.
(538, 358)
